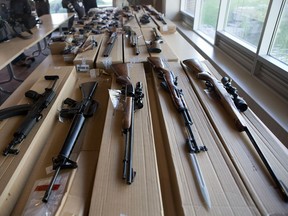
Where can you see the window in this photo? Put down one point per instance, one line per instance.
(104, 3)
(56, 6)
(252, 32)
(245, 19)
(189, 7)
(280, 45)
(208, 17)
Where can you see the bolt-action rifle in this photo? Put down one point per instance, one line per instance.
(155, 45)
(110, 44)
(233, 106)
(32, 111)
(79, 111)
(133, 101)
(170, 84)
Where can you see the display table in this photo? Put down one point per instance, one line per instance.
(9, 50)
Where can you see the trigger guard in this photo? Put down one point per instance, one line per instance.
(91, 109)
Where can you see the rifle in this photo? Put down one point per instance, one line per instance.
(233, 109)
(170, 84)
(133, 99)
(110, 44)
(155, 45)
(79, 111)
(32, 111)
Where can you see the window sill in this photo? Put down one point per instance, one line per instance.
(265, 103)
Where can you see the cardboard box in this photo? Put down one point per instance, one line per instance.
(166, 52)
(111, 194)
(228, 194)
(130, 52)
(88, 57)
(56, 48)
(15, 169)
(115, 56)
(77, 189)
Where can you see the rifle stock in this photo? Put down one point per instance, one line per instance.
(196, 67)
(170, 81)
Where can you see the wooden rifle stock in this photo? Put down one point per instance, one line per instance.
(196, 66)
(170, 81)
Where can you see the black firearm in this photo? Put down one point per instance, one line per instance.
(170, 84)
(133, 101)
(233, 106)
(133, 38)
(155, 45)
(32, 111)
(79, 111)
(110, 44)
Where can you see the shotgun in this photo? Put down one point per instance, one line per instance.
(133, 99)
(110, 44)
(233, 109)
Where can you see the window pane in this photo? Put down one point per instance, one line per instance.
(56, 7)
(280, 46)
(208, 17)
(104, 3)
(189, 6)
(245, 19)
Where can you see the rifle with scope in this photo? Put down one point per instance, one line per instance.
(133, 102)
(233, 104)
(170, 83)
(79, 111)
(32, 111)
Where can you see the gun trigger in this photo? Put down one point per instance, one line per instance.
(164, 86)
(209, 86)
(91, 109)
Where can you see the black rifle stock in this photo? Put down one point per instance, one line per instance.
(32, 111)
(79, 111)
(196, 67)
(133, 101)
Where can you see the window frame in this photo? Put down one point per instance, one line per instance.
(260, 55)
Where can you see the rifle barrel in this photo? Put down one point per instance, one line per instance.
(279, 183)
